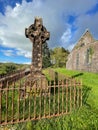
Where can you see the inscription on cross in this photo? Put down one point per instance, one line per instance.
(38, 35)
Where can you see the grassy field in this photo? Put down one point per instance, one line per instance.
(89, 80)
(84, 118)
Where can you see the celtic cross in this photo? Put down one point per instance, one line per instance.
(38, 35)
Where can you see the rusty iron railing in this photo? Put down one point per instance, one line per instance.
(25, 99)
(10, 78)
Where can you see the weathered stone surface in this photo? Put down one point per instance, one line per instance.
(38, 35)
(84, 55)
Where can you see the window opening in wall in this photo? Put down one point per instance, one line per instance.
(88, 58)
(77, 61)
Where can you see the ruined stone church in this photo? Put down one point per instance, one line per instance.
(84, 55)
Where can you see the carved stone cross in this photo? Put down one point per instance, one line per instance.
(38, 35)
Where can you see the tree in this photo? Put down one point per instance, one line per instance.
(46, 61)
(59, 56)
(10, 67)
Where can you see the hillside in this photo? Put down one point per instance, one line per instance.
(6, 68)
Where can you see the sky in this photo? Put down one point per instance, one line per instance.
(66, 20)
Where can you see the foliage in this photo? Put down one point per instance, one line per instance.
(82, 119)
(78, 120)
(91, 50)
(9, 68)
(6, 68)
(59, 57)
(46, 61)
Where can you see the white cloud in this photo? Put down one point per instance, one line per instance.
(84, 22)
(66, 36)
(15, 20)
(8, 52)
(24, 53)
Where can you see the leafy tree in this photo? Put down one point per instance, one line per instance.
(59, 56)
(10, 67)
(46, 56)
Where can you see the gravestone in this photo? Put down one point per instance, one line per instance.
(38, 35)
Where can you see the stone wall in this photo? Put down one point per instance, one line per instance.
(84, 55)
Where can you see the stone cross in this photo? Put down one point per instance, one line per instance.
(38, 35)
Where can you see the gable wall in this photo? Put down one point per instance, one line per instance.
(80, 51)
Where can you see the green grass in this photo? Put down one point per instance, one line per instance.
(89, 80)
(84, 118)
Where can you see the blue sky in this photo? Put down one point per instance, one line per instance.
(64, 19)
